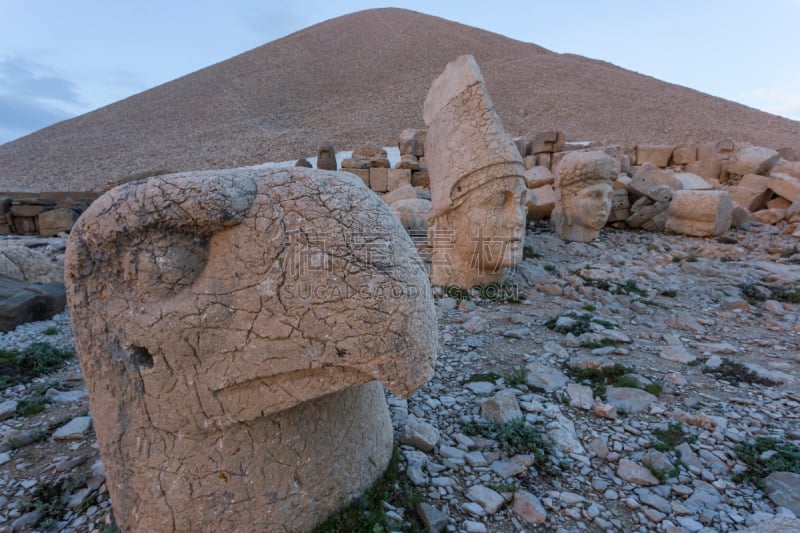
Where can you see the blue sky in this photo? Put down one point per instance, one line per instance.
(60, 58)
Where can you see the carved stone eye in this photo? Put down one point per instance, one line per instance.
(166, 264)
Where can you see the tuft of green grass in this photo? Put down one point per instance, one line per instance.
(37, 359)
(516, 376)
(589, 307)
(515, 437)
(482, 376)
(663, 475)
(49, 498)
(668, 438)
(627, 380)
(602, 343)
(754, 292)
(669, 293)
(785, 457)
(504, 487)
(31, 406)
(656, 389)
(599, 378)
(367, 512)
(582, 323)
(653, 303)
(37, 401)
(629, 287)
(52, 330)
(734, 372)
(550, 268)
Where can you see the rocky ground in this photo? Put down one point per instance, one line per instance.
(681, 314)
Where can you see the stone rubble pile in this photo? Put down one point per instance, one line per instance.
(43, 216)
(499, 361)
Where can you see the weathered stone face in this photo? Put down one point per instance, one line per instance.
(477, 222)
(210, 308)
(583, 194)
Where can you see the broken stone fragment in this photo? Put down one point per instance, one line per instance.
(700, 213)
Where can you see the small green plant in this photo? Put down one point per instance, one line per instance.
(754, 293)
(367, 513)
(601, 343)
(599, 378)
(627, 380)
(580, 323)
(31, 406)
(49, 499)
(669, 293)
(52, 330)
(691, 258)
(482, 376)
(653, 303)
(629, 287)
(504, 487)
(734, 372)
(656, 389)
(550, 268)
(668, 438)
(37, 359)
(589, 307)
(527, 253)
(783, 456)
(36, 402)
(517, 376)
(663, 475)
(515, 437)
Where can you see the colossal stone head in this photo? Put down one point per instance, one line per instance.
(477, 222)
(228, 325)
(583, 194)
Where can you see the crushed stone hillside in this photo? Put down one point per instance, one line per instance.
(678, 309)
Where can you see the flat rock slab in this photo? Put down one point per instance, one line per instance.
(75, 429)
(676, 354)
(487, 498)
(502, 407)
(630, 399)
(22, 301)
(783, 488)
(7, 409)
(544, 377)
(66, 396)
(635, 473)
(529, 508)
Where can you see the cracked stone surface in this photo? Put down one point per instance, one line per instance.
(231, 327)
